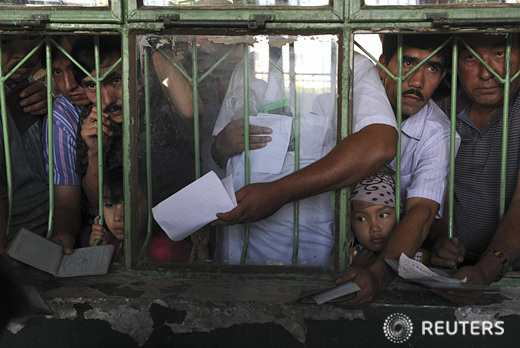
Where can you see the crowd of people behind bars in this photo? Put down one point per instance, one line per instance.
(485, 245)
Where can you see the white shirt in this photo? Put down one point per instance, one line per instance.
(271, 239)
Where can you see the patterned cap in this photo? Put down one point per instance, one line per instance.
(377, 188)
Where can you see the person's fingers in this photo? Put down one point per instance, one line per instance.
(230, 218)
(260, 130)
(256, 139)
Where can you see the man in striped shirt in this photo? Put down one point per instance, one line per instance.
(487, 245)
(66, 109)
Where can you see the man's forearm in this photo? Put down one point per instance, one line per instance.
(412, 230)
(349, 161)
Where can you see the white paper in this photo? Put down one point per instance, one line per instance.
(86, 261)
(340, 290)
(270, 158)
(411, 269)
(194, 206)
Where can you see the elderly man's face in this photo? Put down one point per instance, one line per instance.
(14, 49)
(418, 88)
(111, 89)
(479, 84)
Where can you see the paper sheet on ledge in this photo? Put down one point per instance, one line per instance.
(410, 269)
(195, 206)
(415, 272)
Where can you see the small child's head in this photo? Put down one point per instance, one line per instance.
(113, 201)
(373, 210)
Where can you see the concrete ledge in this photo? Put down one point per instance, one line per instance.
(127, 309)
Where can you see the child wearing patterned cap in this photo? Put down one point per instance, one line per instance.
(373, 214)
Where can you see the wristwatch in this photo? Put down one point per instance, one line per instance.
(503, 259)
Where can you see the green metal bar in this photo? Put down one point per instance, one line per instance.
(146, 63)
(50, 138)
(99, 131)
(505, 120)
(297, 126)
(399, 126)
(453, 132)
(196, 127)
(345, 123)
(7, 148)
(196, 116)
(246, 143)
(129, 202)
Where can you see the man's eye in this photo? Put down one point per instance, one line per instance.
(108, 205)
(500, 54)
(361, 218)
(89, 85)
(56, 72)
(116, 80)
(432, 68)
(407, 63)
(384, 215)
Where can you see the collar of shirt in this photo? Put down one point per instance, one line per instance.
(464, 105)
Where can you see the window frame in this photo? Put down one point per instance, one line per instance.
(25, 16)
(175, 14)
(443, 15)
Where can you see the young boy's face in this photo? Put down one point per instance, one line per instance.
(115, 218)
(372, 224)
(14, 49)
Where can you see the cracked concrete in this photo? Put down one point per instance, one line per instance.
(147, 310)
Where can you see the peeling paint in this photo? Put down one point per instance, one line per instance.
(135, 322)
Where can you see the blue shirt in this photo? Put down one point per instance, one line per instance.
(65, 127)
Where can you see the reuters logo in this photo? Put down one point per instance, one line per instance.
(398, 328)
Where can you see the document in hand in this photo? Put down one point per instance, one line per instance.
(338, 293)
(47, 256)
(195, 206)
(415, 272)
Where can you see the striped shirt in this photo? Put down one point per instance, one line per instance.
(65, 127)
(425, 155)
(477, 175)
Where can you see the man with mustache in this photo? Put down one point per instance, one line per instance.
(484, 245)
(425, 149)
(26, 100)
